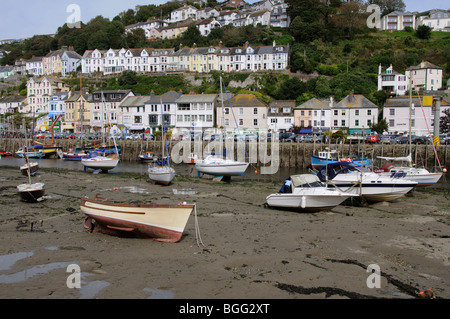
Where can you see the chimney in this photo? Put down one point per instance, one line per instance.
(246, 44)
(379, 69)
(152, 93)
(194, 45)
(274, 43)
(220, 44)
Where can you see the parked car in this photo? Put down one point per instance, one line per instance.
(71, 136)
(420, 140)
(385, 139)
(308, 139)
(402, 140)
(285, 136)
(41, 135)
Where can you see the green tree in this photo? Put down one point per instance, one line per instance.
(192, 35)
(423, 32)
(444, 122)
(127, 79)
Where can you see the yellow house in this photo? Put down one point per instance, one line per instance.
(77, 113)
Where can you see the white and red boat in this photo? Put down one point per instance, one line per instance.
(164, 223)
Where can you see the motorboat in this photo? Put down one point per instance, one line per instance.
(374, 187)
(306, 193)
(420, 175)
(219, 166)
(148, 157)
(164, 223)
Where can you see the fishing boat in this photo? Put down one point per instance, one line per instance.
(374, 187)
(306, 193)
(218, 166)
(148, 157)
(328, 157)
(30, 152)
(161, 172)
(74, 155)
(163, 223)
(420, 175)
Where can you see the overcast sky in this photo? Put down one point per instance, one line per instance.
(25, 18)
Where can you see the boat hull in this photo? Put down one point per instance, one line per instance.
(307, 201)
(164, 223)
(234, 169)
(376, 192)
(162, 175)
(319, 162)
(31, 192)
(102, 163)
(34, 167)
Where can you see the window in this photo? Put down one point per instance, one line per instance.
(138, 119)
(343, 123)
(391, 111)
(241, 122)
(357, 112)
(356, 122)
(153, 120)
(255, 110)
(391, 123)
(369, 112)
(241, 110)
(255, 122)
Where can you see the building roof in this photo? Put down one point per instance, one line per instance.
(246, 100)
(133, 101)
(196, 98)
(424, 65)
(314, 103)
(355, 101)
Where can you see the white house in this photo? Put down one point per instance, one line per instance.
(183, 13)
(397, 114)
(425, 76)
(11, 104)
(34, 66)
(354, 113)
(6, 71)
(162, 106)
(205, 26)
(392, 82)
(438, 20)
(280, 115)
(398, 21)
(40, 90)
(195, 111)
(148, 26)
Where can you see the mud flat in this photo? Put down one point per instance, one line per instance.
(248, 251)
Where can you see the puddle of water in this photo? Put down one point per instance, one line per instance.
(186, 191)
(91, 289)
(31, 272)
(159, 293)
(7, 261)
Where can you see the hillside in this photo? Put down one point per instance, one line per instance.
(332, 62)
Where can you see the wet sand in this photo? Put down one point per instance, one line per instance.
(248, 251)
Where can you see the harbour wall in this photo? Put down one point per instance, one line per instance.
(292, 155)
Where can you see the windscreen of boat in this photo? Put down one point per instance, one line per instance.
(305, 180)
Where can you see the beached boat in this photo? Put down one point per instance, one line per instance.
(306, 193)
(148, 157)
(219, 166)
(422, 176)
(31, 192)
(97, 161)
(374, 187)
(31, 167)
(164, 223)
(328, 157)
(161, 172)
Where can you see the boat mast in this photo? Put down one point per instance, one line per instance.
(410, 115)
(81, 110)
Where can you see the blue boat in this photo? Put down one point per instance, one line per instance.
(327, 157)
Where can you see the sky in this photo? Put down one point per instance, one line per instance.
(26, 18)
